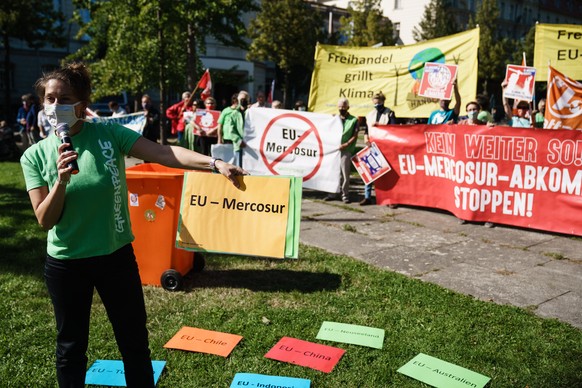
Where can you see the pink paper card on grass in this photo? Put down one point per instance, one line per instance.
(203, 341)
(319, 357)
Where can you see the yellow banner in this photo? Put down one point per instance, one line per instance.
(215, 216)
(560, 46)
(358, 72)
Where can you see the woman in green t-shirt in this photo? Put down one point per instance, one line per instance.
(86, 214)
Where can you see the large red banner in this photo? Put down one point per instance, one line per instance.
(523, 177)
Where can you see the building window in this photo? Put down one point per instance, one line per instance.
(396, 31)
(397, 4)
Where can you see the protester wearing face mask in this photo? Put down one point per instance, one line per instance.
(379, 115)
(473, 109)
(232, 126)
(87, 218)
(151, 130)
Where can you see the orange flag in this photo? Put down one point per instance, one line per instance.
(564, 102)
(205, 84)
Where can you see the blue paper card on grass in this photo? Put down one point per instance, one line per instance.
(112, 373)
(256, 380)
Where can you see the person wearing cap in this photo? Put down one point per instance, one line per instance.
(379, 115)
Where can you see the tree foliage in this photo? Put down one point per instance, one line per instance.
(365, 25)
(437, 21)
(493, 50)
(32, 21)
(286, 33)
(525, 45)
(133, 42)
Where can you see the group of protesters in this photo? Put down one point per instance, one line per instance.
(521, 115)
(227, 126)
(227, 129)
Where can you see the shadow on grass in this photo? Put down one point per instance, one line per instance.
(22, 242)
(263, 280)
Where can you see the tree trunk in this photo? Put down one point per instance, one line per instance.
(286, 91)
(191, 78)
(162, 75)
(7, 91)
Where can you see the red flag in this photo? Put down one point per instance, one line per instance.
(564, 102)
(205, 84)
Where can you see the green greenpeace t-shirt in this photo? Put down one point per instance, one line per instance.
(95, 219)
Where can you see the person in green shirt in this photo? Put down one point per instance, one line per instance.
(87, 218)
(232, 125)
(538, 114)
(347, 147)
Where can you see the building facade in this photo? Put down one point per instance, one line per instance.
(517, 16)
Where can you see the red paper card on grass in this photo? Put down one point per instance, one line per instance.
(203, 341)
(309, 354)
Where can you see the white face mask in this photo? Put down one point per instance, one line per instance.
(61, 113)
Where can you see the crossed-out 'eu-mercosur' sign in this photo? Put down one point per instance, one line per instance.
(303, 144)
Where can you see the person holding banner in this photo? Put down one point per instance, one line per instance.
(521, 118)
(115, 109)
(178, 114)
(473, 109)
(538, 115)
(379, 115)
(444, 115)
(84, 208)
(260, 101)
(347, 147)
(206, 138)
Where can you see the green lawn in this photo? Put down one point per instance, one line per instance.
(234, 294)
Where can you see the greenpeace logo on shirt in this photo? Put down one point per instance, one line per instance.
(109, 153)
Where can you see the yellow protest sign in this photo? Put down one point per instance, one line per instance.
(358, 72)
(215, 216)
(558, 45)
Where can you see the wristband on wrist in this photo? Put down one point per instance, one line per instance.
(62, 182)
(212, 164)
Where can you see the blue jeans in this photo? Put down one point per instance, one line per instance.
(116, 278)
(368, 191)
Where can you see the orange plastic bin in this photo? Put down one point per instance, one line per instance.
(154, 209)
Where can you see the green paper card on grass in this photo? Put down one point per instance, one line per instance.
(351, 334)
(442, 374)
